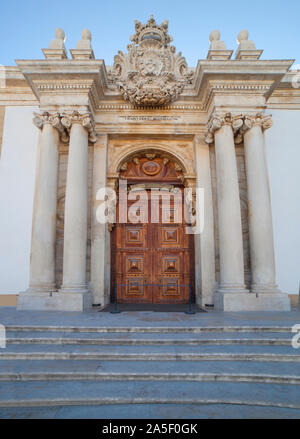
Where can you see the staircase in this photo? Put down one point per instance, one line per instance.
(149, 372)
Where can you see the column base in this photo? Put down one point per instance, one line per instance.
(41, 289)
(233, 301)
(69, 289)
(55, 301)
(232, 288)
(263, 288)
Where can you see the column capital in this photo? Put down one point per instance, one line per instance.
(85, 119)
(220, 119)
(257, 119)
(53, 119)
(250, 120)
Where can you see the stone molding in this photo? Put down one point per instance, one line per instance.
(84, 119)
(123, 106)
(78, 86)
(54, 119)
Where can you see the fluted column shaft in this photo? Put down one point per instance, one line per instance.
(229, 210)
(42, 258)
(259, 205)
(76, 204)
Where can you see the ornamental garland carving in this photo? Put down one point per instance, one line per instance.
(151, 73)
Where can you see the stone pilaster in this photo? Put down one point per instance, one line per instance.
(42, 260)
(81, 128)
(100, 236)
(204, 241)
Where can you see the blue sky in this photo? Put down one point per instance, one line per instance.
(27, 26)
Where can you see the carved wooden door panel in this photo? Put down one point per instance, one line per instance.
(133, 263)
(152, 262)
(174, 257)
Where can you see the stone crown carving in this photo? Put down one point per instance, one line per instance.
(151, 73)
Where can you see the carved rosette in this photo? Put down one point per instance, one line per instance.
(85, 119)
(53, 119)
(151, 74)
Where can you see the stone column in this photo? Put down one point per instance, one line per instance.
(259, 205)
(80, 126)
(221, 130)
(42, 257)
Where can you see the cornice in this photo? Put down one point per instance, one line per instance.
(66, 76)
(211, 78)
(259, 77)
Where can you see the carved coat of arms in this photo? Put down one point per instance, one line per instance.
(151, 73)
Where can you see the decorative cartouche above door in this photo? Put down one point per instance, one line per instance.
(151, 73)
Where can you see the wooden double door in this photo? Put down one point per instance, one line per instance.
(153, 262)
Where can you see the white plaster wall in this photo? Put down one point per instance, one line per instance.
(17, 175)
(283, 157)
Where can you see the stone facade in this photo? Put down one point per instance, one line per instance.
(210, 120)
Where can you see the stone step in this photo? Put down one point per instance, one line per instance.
(163, 356)
(215, 367)
(42, 393)
(150, 411)
(148, 329)
(150, 349)
(148, 341)
(150, 335)
(149, 376)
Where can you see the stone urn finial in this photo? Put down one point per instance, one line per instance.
(217, 49)
(83, 47)
(57, 48)
(246, 48)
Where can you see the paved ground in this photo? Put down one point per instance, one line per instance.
(9, 316)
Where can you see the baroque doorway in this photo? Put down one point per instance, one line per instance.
(152, 256)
